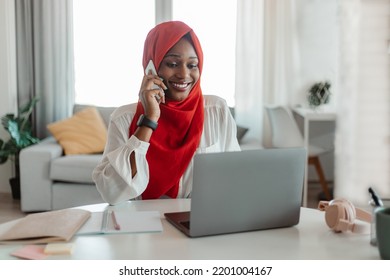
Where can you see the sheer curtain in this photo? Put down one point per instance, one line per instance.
(249, 67)
(267, 61)
(108, 46)
(281, 73)
(44, 38)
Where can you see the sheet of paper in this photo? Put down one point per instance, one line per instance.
(130, 222)
(30, 252)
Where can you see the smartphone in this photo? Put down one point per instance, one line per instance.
(149, 67)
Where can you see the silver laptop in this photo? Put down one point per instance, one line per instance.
(243, 191)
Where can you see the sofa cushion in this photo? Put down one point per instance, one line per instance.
(65, 195)
(241, 130)
(105, 112)
(83, 133)
(74, 168)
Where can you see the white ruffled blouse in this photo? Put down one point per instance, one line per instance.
(113, 173)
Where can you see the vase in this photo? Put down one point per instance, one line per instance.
(15, 188)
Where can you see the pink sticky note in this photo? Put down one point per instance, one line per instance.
(30, 252)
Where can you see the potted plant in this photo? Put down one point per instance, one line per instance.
(20, 131)
(319, 94)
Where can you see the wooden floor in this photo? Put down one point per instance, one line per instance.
(10, 208)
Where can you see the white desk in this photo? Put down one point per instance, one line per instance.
(309, 115)
(310, 239)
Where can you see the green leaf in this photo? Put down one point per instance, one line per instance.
(3, 154)
(3, 159)
(6, 119)
(13, 129)
(19, 129)
(27, 108)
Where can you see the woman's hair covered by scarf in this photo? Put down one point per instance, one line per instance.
(163, 37)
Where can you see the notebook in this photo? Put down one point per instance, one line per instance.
(103, 222)
(44, 227)
(243, 191)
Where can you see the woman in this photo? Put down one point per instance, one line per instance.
(151, 144)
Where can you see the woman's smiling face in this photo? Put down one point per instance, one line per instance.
(180, 70)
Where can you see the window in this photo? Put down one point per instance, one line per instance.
(109, 38)
(214, 22)
(108, 45)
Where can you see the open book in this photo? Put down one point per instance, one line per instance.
(45, 227)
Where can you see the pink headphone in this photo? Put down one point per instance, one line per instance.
(340, 215)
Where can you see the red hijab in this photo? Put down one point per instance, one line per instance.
(180, 126)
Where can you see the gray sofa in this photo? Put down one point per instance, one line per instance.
(50, 180)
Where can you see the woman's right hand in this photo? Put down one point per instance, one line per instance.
(151, 94)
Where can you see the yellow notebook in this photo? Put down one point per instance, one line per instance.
(45, 227)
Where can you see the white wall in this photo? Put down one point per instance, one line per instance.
(7, 77)
(318, 42)
(317, 28)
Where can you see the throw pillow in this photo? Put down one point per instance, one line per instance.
(83, 133)
(241, 131)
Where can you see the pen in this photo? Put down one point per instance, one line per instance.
(104, 221)
(116, 225)
(377, 200)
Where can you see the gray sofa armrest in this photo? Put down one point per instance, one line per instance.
(35, 182)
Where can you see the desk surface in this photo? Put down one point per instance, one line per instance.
(310, 239)
(312, 114)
